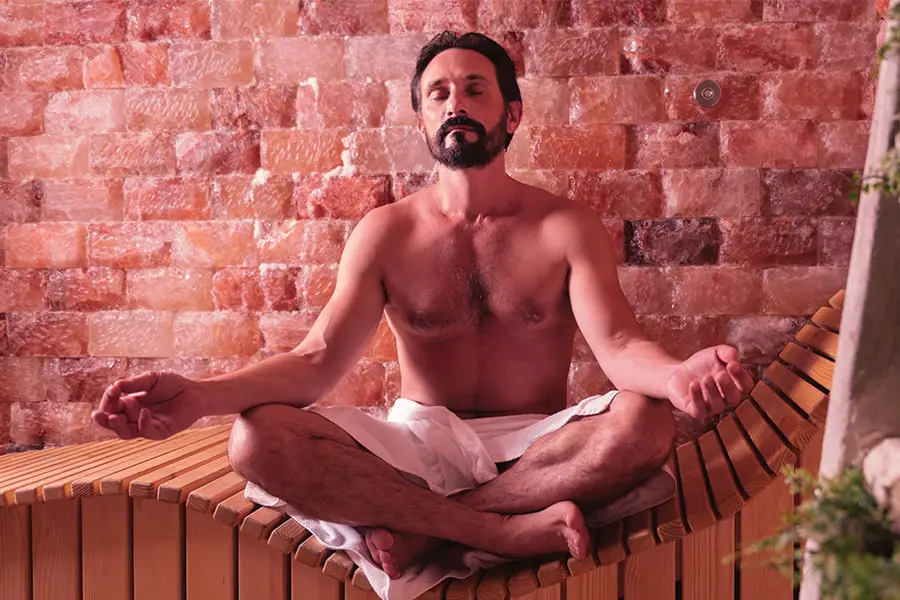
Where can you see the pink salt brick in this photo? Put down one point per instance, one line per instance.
(281, 242)
(139, 333)
(237, 197)
(237, 19)
(846, 46)
(806, 192)
(22, 290)
(81, 379)
(363, 387)
(96, 21)
(616, 230)
(431, 15)
(713, 12)
(46, 245)
(836, 240)
(404, 184)
(47, 334)
(587, 379)
(4, 157)
(20, 201)
(22, 114)
(21, 379)
(53, 423)
(716, 290)
(324, 16)
(324, 242)
(96, 288)
(668, 50)
(376, 151)
(648, 289)
(711, 192)
(673, 145)
(166, 199)
(169, 289)
(319, 283)
(96, 111)
(283, 331)
(817, 96)
(339, 197)
(302, 151)
(255, 107)
(84, 200)
(131, 245)
(103, 67)
(206, 65)
(569, 52)
(555, 182)
(168, 110)
(581, 351)
(680, 335)
(343, 104)
(672, 242)
(21, 25)
(546, 101)
(594, 13)
(145, 64)
(623, 194)
(215, 244)
(579, 147)
(150, 20)
(800, 290)
(620, 99)
(292, 60)
(764, 241)
(42, 69)
(514, 44)
(141, 153)
(397, 56)
(237, 288)
(218, 152)
(511, 15)
(768, 47)
(48, 156)
(770, 144)
(739, 100)
(279, 287)
(816, 10)
(392, 384)
(399, 108)
(760, 338)
(216, 334)
(383, 345)
(4, 428)
(843, 144)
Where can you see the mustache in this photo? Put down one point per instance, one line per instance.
(460, 121)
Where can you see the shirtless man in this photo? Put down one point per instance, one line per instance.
(483, 280)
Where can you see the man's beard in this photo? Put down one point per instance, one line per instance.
(463, 154)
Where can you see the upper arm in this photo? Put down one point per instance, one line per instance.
(601, 310)
(345, 326)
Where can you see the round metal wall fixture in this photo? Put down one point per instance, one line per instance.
(707, 93)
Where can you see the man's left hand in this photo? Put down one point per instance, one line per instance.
(708, 382)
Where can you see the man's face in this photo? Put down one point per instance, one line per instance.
(463, 115)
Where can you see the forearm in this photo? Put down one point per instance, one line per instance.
(287, 378)
(641, 366)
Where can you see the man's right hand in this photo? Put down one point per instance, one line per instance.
(153, 405)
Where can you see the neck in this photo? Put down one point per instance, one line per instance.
(470, 194)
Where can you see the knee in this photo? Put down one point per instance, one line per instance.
(649, 426)
(257, 437)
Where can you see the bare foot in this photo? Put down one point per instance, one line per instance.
(396, 551)
(558, 528)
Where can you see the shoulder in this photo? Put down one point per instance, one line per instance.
(571, 226)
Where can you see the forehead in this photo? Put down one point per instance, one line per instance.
(458, 63)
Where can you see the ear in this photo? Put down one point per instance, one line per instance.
(513, 116)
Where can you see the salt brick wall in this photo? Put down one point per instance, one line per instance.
(131, 133)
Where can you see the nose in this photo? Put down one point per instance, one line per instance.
(455, 105)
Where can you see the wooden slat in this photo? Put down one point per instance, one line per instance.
(177, 489)
(650, 575)
(211, 553)
(437, 592)
(523, 579)
(494, 585)
(350, 592)
(40, 462)
(307, 583)
(205, 499)
(287, 536)
(806, 396)
(699, 512)
(158, 550)
(260, 523)
(761, 517)
(599, 584)
(37, 470)
(233, 509)
(752, 476)
(338, 566)
(670, 523)
(61, 487)
(56, 550)
(545, 593)
(818, 368)
(773, 450)
(462, 589)
(820, 340)
(726, 494)
(312, 552)
(358, 580)
(792, 425)
(611, 543)
(837, 301)
(704, 574)
(146, 484)
(263, 572)
(106, 547)
(15, 552)
(551, 572)
(639, 532)
(812, 455)
(829, 318)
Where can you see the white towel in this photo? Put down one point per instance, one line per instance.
(434, 447)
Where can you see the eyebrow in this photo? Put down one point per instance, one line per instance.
(469, 77)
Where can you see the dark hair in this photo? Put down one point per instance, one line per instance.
(503, 64)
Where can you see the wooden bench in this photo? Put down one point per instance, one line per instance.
(116, 520)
